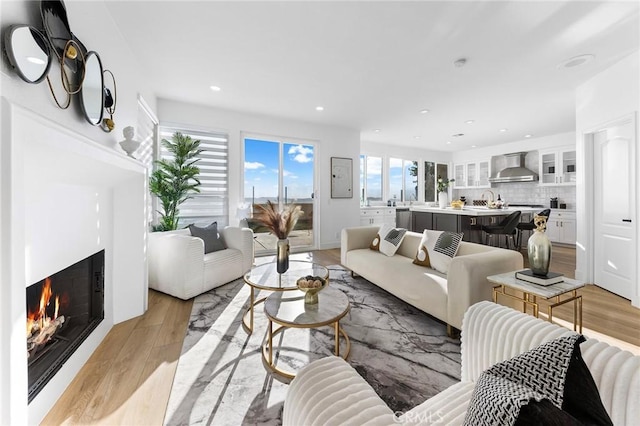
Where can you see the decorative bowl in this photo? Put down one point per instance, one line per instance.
(311, 286)
(457, 204)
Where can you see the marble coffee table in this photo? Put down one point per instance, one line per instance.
(288, 310)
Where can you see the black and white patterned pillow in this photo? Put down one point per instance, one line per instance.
(442, 246)
(507, 386)
(388, 239)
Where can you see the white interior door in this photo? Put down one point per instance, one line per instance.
(614, 213)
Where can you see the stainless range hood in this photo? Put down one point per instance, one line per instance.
(514, 169)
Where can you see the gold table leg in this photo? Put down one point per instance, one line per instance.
(336, 326)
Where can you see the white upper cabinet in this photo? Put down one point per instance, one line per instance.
(558, 166)
(474, 174)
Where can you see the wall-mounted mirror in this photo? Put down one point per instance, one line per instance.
(28, 52)
(92, 93)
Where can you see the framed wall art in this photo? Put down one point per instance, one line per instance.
(341, 177)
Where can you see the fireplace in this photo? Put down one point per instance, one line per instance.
(62, 310)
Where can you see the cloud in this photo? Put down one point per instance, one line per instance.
(289, 174)
(253, 165)
(301, 153)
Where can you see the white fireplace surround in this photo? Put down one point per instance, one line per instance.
(64, 197)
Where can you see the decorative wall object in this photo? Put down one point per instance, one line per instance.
(30, 53)
(341, 177)
(129, 145)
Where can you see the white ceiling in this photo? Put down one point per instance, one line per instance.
(375, 65)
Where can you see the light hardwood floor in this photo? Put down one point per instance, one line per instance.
(128, 379)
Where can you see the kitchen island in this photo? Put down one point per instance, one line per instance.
(467, 220)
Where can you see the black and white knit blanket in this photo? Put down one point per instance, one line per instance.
(537, 374)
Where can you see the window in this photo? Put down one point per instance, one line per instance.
(370, 179)
(431, 172)
(403, 179)
(212, 203)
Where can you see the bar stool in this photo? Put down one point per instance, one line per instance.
(506, 227)
(529, 226)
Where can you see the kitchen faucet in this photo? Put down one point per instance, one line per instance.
(493, 196)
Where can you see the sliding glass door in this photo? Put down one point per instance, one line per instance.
(281, 172)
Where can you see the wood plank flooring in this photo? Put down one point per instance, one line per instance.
(128, 379)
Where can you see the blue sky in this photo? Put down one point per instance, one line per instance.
(261, 165)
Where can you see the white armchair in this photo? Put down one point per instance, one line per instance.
(179, 267)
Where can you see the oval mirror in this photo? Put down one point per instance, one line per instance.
(28, 52)
(92, 93)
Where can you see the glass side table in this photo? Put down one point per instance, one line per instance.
(265, 277)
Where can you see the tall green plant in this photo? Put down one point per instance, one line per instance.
(174, 181)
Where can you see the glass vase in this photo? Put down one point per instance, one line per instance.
(539, 248)
(282, 255)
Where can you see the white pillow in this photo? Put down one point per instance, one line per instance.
(442, 246)
(422, 256)
(388, 239)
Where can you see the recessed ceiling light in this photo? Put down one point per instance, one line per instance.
(319, 108)
(473, 146)
(215, 88)
(470, 121)
(503, 130)
(416, 137)
(457, 135)
(377, 130)
(527, 136)
(448, 142)
(424, 111)
(576, 61)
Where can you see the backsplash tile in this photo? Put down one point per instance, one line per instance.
(525, 192)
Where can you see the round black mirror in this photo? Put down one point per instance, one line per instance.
(92, 93)
(28, 53)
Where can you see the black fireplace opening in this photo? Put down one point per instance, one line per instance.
(62, 310)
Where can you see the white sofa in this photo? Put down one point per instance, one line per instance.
(445, 297)
(179, 267)
(330, 392)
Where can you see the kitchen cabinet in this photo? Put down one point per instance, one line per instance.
(561, 227)
(558, 167)
(445, 222)
(468, 225)
(378, 216)
(473, 174)
(421, 221)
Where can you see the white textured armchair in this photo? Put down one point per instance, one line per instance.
(179, 267)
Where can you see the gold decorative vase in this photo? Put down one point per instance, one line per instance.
(311, 286)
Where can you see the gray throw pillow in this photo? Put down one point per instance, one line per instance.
(212, 239)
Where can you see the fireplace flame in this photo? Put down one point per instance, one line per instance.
(41, 326)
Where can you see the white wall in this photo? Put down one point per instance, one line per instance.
(334, 214)
(524, 145)
(610, 95)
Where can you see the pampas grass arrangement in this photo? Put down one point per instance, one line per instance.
(279, 223)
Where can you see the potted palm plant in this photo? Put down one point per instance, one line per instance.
(175, 180)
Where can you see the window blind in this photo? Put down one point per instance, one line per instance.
(212, 203)
(147, 124)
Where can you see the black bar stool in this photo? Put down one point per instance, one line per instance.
(530, 226)
(506, 227)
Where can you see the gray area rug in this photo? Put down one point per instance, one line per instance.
(402, 352)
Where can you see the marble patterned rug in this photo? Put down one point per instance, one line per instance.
(220, 379)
